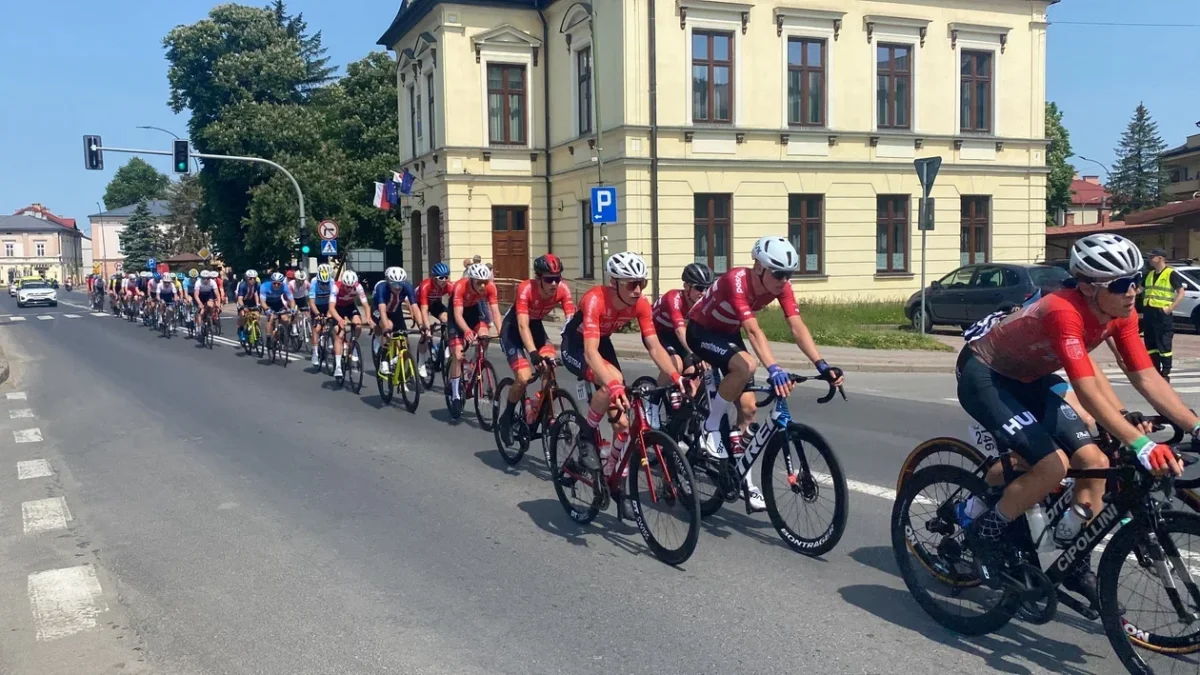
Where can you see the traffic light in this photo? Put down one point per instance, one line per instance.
(305, 249)
(93, 156)
(181, 156)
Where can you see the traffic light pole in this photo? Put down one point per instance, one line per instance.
(238, 158)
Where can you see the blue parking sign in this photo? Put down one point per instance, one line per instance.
(151, 263)
(604, 205)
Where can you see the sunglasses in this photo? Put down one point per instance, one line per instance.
(780, 275)
(551, 280)
(1121, 285)
(639, 284)
(442, 278)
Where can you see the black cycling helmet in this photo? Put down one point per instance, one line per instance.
(547, 264)
(698, 274)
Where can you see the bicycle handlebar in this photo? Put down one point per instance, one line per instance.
(799, 379)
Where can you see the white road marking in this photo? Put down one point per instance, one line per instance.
(64, 601)
(1186, 390)
(266, 355)
(19, 413)
(45, 515)
(45, 317)
(15, 396)
(867, 489)
(101, 314)
(33, 468)
(33, 435)
(16, 318)
(71, 316)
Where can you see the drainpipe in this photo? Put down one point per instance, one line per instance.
(546, 121)
(653, 58)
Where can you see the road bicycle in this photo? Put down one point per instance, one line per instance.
(402, 371)
(1147, 542)
(206, 328)
(279, 341)
(658, 478)
(438, 359)
(351, 356)
(478, 382)
(533, 415)
(166, 319)
(301, 331)
(252, 335)
(325, 360)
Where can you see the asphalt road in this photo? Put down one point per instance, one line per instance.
(227, 516)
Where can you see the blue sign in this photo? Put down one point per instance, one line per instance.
(329, 247)
(604, 205)
(150, 263)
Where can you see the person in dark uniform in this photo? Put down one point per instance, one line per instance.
(1163, 292)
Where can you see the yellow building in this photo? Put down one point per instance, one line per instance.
(1182, 165)
(727, 122)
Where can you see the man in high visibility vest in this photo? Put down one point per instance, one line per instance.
(1163, 292)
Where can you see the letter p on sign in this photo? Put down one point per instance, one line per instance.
(604, 205)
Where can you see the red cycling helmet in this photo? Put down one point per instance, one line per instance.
(291, 274)
(547, 264)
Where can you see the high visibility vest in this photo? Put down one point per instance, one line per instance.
(1159, 293)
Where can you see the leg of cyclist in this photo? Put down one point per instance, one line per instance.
(317, 315)
(338, 342)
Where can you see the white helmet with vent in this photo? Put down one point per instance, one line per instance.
(1105, 256)
(776, 254)
(349, 278)
(479, 272)
(396, 275)
(626, 265)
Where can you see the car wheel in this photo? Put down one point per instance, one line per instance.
(20, 304)
(54, 304)
(917, 317)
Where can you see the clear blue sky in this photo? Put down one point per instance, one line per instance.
(73, 67)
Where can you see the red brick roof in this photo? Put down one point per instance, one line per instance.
(1112, 226)
(1166, 213)
(1084, 193)
(47, 214)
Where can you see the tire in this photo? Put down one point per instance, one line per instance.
(430, 370)
(562, 402)
(1122, 635)
(446, 390)
(384, 382)
(944, 450)
(355, 374)
(672, 486)
(905, 548)
(260, 346)
(325, 353)
(823, 542)
(562, 447)
(485, 395)
(916, 319)
(410, 389)
(520, 430)
(284, 348)
(208, 337)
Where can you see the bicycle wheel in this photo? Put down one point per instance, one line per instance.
(384, 382)
(355, 374)
(513, 453)
(325, 356)
(932, 534)
(431, 363)
(800, 447)
(941, 451)
(272, 341)
(485, 393)
(663, 492)
(572, 481)
(410, 383)
(208, 335)
(247, 343)
(283, 346)
(561, 402)
(1136, 550)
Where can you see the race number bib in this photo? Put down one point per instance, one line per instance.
(982, 439)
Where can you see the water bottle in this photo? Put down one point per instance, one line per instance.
(1036, 517)
(735, 443)
(675, 399)
(532, 408)
(1071, 523)
(969, 510)
(653, 418)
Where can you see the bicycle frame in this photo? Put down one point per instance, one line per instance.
(397, 350)
(475, 382)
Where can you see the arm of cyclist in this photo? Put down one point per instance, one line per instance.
(526, 335)
(762, 349)
(468, 333)
(805, 342)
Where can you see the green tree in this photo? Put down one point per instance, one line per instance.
(141, 238)
(183, 233)
(134, 182)
(1058, 183)
(1138, 179)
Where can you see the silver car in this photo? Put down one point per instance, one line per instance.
(36, 293)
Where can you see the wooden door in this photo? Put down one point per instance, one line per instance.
(510, 247)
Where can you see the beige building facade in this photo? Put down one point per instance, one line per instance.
(107, 227)
(1182, 165)
(33, 246)
(733, 120)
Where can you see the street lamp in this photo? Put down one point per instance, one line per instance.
(166, 131)
(1102, 167)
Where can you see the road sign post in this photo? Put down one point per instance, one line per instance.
(927, 170)
(328, 229)
(604, 212)
(329, 247)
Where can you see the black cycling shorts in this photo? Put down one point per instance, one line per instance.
(436, 308)
(670, 341)
(714, 348)
(470, 317)
(514, 347)
(1030, 417)
(207, 296)
(302, 302)
(396, 317)
(321, 308)
(572, 354)
(347, 312)
(275, 304)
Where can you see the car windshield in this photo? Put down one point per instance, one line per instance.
(1048, 276)
(33, 284)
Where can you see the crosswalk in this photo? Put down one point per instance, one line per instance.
(18, 318)
(1185, 380)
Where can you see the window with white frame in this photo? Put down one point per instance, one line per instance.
(980, 52)
(40, 248)
(429, 98)
(9, 249)
(896, 44)
(507, 58)
(506, 104)
(806, 81)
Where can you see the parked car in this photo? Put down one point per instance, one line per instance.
(36, 293)
(971, 292)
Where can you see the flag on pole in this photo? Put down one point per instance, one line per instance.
(380, 200)
(393, 196)
(406, 181)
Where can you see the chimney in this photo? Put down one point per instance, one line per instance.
(1076, 175)
(1094, 180)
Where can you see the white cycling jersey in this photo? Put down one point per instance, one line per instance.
(206, 286)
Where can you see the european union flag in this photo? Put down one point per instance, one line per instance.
(393, 196)
(406, 182)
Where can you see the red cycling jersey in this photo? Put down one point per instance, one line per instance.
(670, 310)
(531, 302)
(599, 317)
(1055, 332)
(464, 295)
(344, 295)
(426, 292)
(731, 300)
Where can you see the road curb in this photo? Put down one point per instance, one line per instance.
(4, 369)
(639, 354)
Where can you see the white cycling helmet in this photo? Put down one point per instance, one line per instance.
(169, 276)
(1105, 256)
(276, 277)
(626, 265)
(479, 272)
(145, 275)
(776, 254)
(251, 274)
(396, 275)
(349, 278)
(301, 275)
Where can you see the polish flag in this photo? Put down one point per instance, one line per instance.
(381, 201)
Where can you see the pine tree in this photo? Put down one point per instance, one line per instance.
(141, 238)
(1138, 180)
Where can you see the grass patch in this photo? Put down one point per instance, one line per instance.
(866, 325)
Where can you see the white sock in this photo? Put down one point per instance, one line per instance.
(454, 386)
(717, 407)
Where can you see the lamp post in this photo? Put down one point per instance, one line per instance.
(1107, 180)
(166, 131)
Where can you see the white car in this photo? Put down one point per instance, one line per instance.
(1187, 314)
(36, 293)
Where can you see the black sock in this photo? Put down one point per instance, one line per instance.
(508, 409)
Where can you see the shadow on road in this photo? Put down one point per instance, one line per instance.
(877, 557)
(1002, 651)
(548, 514)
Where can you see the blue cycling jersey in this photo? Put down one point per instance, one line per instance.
(272, 294)
(247, 289)
(384, 294)
(319, 291)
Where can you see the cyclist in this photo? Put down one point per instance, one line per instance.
(429, 297)
(386, 297)
(1007, 383)
(116, 287)
(189, 284)
(522, 335)
(714, 334)
(247, 299)
(318, 300)
(670, 316)
(298, 285)
(587, 351)
(167, 292)
(207, 294)
(275, 298)
(129, 288)
(152, 279)
(470, 294)
(346, 293)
